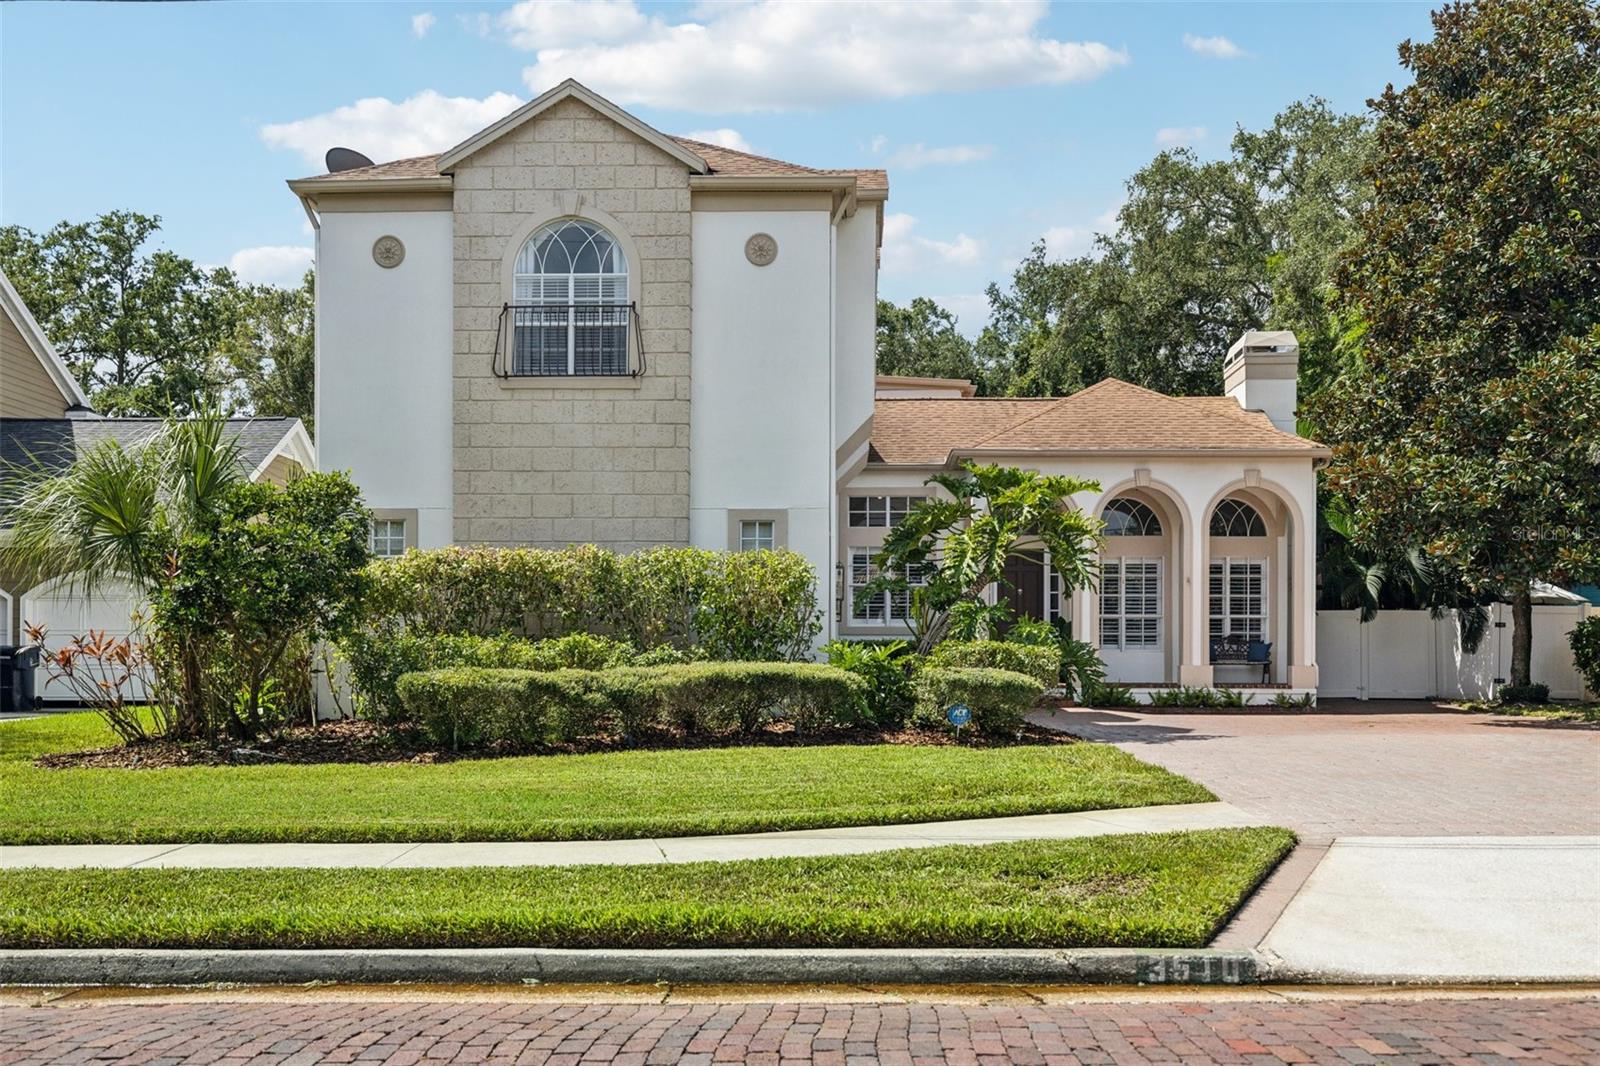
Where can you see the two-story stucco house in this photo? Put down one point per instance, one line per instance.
(574, 328)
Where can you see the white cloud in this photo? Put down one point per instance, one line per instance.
(272, 264)
(905, 251)
(878, 142)
(1178, 136)
(1217, 47)
(775, 55)
(971, 310)
(385, 130)
(1067, 242)
(917, 155)
(726, 137)
(421, 24)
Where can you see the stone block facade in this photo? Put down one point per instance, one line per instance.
(549, 463)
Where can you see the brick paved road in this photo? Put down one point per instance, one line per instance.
(852, 1034)
(1394, 768)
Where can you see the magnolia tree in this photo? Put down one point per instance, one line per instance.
(1468, 425)
(958, 547)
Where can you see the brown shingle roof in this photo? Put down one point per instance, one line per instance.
(1111, 416)
(721, 161)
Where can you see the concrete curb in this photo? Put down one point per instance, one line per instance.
(151, 966)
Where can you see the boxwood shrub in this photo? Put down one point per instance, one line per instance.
(464, 707)
(376, 662)
(1037, 661)
(1585, 641)
(998, 698)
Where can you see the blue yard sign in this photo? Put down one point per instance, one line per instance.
(959, 714)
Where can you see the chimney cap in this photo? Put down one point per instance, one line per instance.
(1264, 340)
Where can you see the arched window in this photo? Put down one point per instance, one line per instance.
(1235, 518)
(569, 303)
(1127, 517)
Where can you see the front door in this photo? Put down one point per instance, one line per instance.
(1023, 587)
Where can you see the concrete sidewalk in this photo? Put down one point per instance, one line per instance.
(845, 841)
(1444, 909)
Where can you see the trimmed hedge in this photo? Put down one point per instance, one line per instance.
(998, 698)
(466, 707)
(1037, 661)
(758, 605)
(376, 665)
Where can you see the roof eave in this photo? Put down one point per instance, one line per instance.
(326, 185)
(1314, 452)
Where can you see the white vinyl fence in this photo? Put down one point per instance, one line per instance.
(1411, 655)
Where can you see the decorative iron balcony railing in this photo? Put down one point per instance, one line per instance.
(569, 339)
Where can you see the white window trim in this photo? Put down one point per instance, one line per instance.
(1227, 562)
(406, 516)
(1123, 614)
(887, 498)
(779, 520)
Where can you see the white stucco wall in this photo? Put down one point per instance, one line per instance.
(383, 362)
(761, 407)
(855, 321)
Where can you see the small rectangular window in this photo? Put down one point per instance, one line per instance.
(388, 537)
(880, 607)
(757, 534)
(1239, 598)
(880, 512)
(1130, 603)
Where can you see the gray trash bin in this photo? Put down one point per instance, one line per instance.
(18, 666)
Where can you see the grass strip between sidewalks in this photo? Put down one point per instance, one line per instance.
(1155, 890)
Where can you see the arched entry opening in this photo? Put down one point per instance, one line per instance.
(1136, 607)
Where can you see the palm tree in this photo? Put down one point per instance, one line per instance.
(117, 514)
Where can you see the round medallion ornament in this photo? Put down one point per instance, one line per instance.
(761, 249)
(388, 252)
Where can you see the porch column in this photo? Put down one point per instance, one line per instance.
(1194, 664)
(1303, 604)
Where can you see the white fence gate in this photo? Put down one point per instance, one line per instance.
(1411, 655)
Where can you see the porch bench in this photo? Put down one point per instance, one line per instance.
(1238, 650)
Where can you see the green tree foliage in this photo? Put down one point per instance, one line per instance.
(960, 546)
(270, 355)
(921, 340)
(268, 567)
(1201, 252)
(138, 326)
(1468, 426)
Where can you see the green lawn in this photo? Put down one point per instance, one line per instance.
(554, 797)
(1158, 890)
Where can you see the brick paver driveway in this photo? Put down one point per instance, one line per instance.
(1267, 1031)
(1400, 768)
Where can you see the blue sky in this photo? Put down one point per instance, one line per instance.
(999, 123)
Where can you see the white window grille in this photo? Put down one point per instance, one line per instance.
(388, 537)
(1130, 603)
(569, 307)
(1239, 598)
(1125, 517)
(1235, 518)
(757, 534)
(880, 511)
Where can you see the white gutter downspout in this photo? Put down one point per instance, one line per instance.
(827, 583)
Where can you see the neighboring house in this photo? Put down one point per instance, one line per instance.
(574, 328)
(45, 422)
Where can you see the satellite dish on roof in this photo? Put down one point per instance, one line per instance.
(346, 159)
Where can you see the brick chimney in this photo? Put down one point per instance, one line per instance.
(1261, 371)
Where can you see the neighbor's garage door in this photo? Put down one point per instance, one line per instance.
(65, 613)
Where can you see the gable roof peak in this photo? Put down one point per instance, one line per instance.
(571, 89)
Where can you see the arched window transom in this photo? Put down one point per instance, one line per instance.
(569, 307)
(1235, 518)
(1127, 517)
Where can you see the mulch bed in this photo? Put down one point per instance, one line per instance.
(354, 741)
